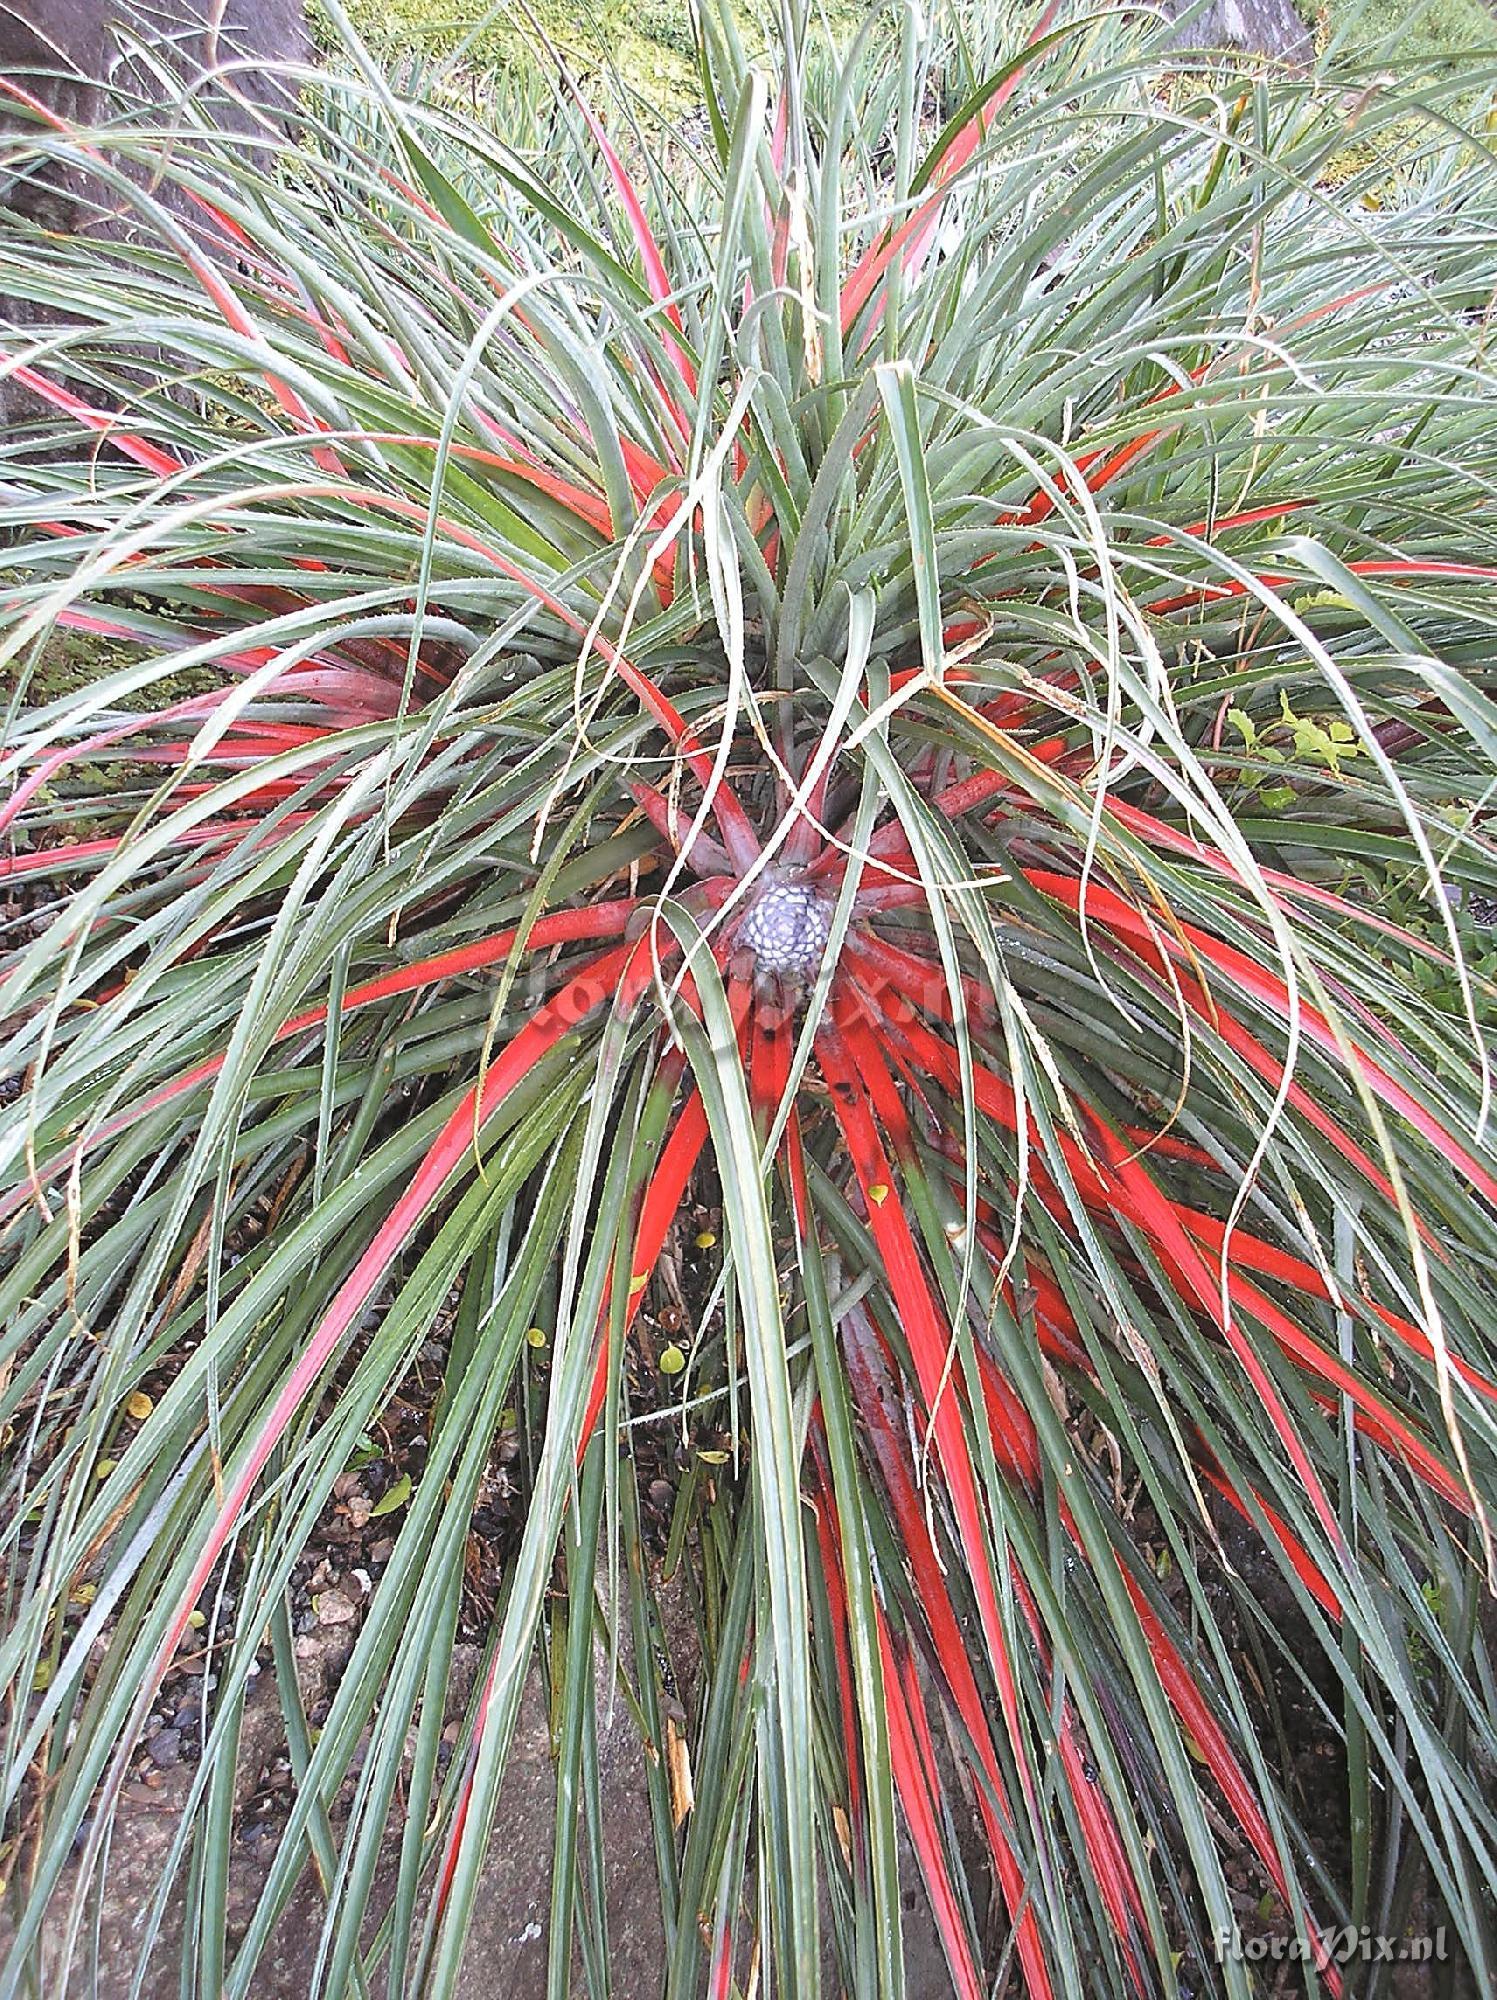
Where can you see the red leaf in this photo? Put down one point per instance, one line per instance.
(1217, 1754)
(591, 988)
(929, 1346)
(912, 1756)
(829, 1541)
(662, 1201)
(1106, 907)
(104, 423)
(1210, 593)
(595, 920)
(649, 253)
(702, 852)
(1305, 1567)
(913, 236)
(865, 1377)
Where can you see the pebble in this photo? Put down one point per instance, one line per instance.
(333, 1608)
(164, 1748)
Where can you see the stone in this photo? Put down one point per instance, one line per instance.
(165, 1748)
(76, 58)
(1258, 27)
(78, 51)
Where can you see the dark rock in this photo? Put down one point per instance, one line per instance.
(75, 54)
(165, 1748)
(77, 58)
(506, 1948)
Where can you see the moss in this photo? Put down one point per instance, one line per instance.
(1411, 35)
(70, 660)
(651, 40)
(648, 42)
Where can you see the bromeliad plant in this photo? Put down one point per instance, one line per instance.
(790, 676)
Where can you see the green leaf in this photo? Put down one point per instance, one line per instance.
(393, 1497)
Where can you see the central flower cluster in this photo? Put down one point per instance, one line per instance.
(786, 929)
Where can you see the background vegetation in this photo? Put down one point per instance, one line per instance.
(650, 44)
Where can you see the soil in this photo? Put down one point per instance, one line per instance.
(506, 1953)
(331, 1588)
(507, 1945)
(1295, 1686)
